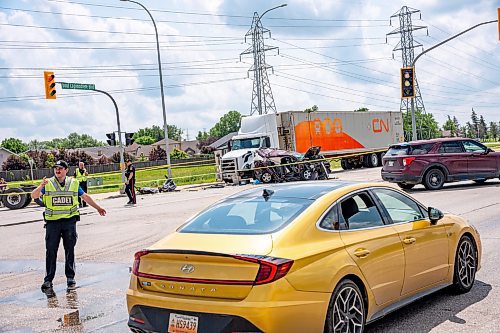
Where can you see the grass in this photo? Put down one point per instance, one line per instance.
(493, 145)
(155, 177)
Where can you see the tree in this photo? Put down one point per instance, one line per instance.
(475, 124)
(103, 160)
(178, 154)
(202, 135)
(14, 145)
(76, 140)
(469, 130)
(493, 130)
(79, 156)
(157, 154)
(483, 128)
(313, 108)
(15, 162)
(457, 126)
(361, 110)
(158, 134)
(449, 125)
(145, 140)
(115, 158)
(204, 143)
(427, 126)
(228, 123)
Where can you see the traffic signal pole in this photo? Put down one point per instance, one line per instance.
(413, 124)
(122, 166)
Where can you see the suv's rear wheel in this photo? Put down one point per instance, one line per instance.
(434, 179)
(405, 186)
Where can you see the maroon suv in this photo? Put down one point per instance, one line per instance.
(435, 162)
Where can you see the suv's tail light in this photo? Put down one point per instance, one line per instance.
(407, 160)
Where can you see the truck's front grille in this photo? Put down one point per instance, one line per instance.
(228, 167)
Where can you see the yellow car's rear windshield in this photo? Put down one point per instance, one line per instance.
(247, 216)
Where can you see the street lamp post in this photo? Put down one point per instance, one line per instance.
(413, 122)
(165, 128)
(256, 62)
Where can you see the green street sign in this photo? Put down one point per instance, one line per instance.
(81, 86)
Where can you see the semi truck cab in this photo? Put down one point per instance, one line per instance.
(255, 132)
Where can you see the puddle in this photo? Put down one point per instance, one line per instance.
(98, 302)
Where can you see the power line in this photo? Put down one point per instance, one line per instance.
(222, 15)
(117, 91)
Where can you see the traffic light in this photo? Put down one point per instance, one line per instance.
(50, 85)
(111, 139)
(129, 139)
(407, 82)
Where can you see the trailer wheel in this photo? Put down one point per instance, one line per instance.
(380, 157)
(343, 164)
(370, 160)
(14, 199)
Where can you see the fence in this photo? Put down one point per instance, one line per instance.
(17, 175)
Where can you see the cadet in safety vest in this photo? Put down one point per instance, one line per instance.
(81, 175)
(60, 196)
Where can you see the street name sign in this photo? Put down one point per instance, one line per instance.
(81, 86)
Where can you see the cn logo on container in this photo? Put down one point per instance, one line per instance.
(380, 125)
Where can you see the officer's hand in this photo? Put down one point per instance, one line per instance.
(45, 181)
(101, 211)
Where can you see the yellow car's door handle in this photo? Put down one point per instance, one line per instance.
(409, 240)
(361, 253)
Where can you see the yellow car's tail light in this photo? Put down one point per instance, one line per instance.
(270, 269)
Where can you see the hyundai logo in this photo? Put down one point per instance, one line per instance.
(187, 268)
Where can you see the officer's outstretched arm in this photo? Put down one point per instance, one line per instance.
(37, 192)
(88, 199)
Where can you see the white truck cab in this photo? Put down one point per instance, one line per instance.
(255, 132)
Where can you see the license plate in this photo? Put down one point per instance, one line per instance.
(178, 323)
(390, 163)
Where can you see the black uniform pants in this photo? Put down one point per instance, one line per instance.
(82, 202)
(54, 231)
(130, 190)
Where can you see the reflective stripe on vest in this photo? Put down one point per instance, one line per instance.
(61, 202)
(80, 176)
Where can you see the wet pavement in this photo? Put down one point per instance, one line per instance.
(106, 245)
(96, 305)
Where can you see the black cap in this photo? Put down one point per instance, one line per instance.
(61, 163)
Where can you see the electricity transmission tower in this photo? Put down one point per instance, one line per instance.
(262, 96)
(407, 45)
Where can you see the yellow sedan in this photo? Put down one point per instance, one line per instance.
(326, 256)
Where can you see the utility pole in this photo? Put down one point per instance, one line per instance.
(262, 95)
(120, 142)
(407, 45)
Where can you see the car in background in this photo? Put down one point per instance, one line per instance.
(438, 161)
(300, 257)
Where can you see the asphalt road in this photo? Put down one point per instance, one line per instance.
(106, 245)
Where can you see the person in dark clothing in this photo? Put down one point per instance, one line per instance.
(60, 197)
(130, 183)
(81, 175)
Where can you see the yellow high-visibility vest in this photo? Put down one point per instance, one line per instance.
(80, 176)
(60, 202)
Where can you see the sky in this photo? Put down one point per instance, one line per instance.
(331, 53)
